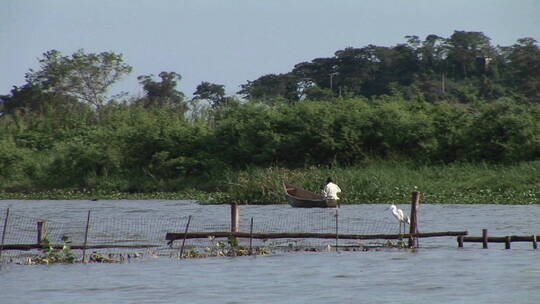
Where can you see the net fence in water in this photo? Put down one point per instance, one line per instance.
(146, 235)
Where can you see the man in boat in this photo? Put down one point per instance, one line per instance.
(330, 192)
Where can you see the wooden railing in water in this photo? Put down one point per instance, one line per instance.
(507, 240)
(173, 236)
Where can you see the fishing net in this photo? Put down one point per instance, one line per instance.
(124, 237)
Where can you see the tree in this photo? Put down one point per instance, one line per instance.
(86, 77)
(320, 72)
(25, 99)
(32, 99)
(316, 93)
(215, 93)
(163, 93)
(272, 86)
(523, 67)
(464, 50)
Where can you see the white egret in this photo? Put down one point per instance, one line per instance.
(400, 216)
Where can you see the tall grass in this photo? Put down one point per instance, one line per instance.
(386, 182)
(374, 182)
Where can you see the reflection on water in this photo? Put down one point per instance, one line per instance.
(436, 273)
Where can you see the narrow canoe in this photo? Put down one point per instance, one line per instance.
(301, 198)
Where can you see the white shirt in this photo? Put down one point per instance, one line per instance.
(331, 190)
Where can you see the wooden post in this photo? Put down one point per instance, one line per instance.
(413, 227)
(507, 242)
(484, 238)
(86, 237)
(337, 229)
(42, 229)
(4, 234)
(534, 243)
(251, 237)
(460, 241)
(235, 217)
(185, 236)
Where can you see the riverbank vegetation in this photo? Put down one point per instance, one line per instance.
(454, 118)
(375, 182)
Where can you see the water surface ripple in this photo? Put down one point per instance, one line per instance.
(438, 272)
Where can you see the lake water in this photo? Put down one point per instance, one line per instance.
(438, 272)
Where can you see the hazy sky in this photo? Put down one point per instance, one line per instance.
(231, 41)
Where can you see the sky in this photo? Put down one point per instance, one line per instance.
(229, 42)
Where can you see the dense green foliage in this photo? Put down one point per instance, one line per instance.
(348, 131)
(381, 105)
(136, 149)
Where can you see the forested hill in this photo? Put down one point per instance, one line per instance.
(461, 68)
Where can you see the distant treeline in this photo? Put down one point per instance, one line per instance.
(434, 102)
(462, 68)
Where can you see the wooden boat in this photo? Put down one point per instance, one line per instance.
(302, 198)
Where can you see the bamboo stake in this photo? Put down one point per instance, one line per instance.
(235, 217)
(42, 231)
(86, 236)
(484, 238)
(4, 234)
(251, 237)
(460, 241)
(337, 230)
(534, 244)
(507, 242)
(185, 235)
